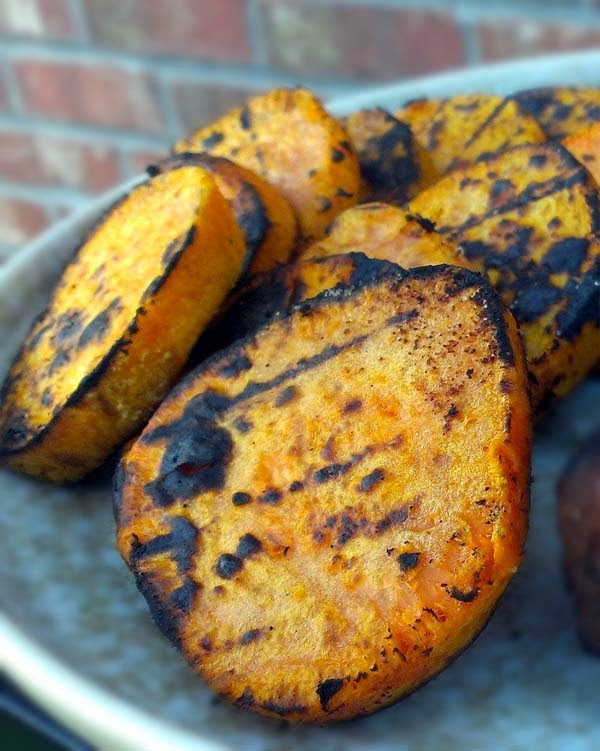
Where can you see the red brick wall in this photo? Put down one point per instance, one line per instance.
(91, 90)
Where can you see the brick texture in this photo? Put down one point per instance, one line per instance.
(20, 220)
(46, 160)
(524, 37)
(214, 30)
(198, 103)
(3, 95)
(362, 42)
(104, 95)
(36, 18)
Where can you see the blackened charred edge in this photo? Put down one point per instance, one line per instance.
(248, 546)
(252, 218)
(180, 543)
(423, 222)
(118, 489)
(246, 699)
(327, 689)
(282, 710)
(165, 619)
(235, 366)
(98, 326)
(183, 597)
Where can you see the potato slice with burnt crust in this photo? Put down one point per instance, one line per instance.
(462, 128)
(389, 233)
(265, 217)
(263, 296)
(562, 110)
(324, 515)
(120, 325)
(288, 138)
(393, 165)
(527, 218)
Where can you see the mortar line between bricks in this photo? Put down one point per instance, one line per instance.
(79, 20)
(83, 132)
(171, 118)
(13, 90)
(254, 25)
(195, 69)
(47, 195)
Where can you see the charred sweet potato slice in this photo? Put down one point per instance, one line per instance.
(288, 138)
(562, 110)
(265, 217)
(462, 128)
(322, 530)
(526, 217)
(120, 325)
(393, 165)
(261, 297)
(585, 147)
(389, 233)
(579, 522)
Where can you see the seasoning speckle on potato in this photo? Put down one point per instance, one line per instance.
(288, 138)
(528, 218)
(322, 531)
(120, 325)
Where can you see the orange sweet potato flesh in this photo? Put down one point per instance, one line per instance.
(393, 164)
(386, 232)
(528, 218)
(288, 138)
(585, 147)
(460, 129)
(120, 325)
(562, 110)
(266, 219)
(323, 529)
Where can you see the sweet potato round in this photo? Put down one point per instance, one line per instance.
(288, 138)
(120, 325)
(324, 515)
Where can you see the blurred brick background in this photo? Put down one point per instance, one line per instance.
(91, 90)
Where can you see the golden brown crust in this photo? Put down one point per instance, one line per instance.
(323, 529)
(386, 232)
(264, 216)
(288, 138)
(528, 218)
(562, 110)
(120, 325)
(393, 164)
(460, 129)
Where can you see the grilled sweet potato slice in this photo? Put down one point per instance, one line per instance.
(265, 217)
(585, 147)
(263, 296)
(288, 138)
(393, 165)
(460, 129)
(120, 325)
(562, 110)
(526, 217)
(323, 515)
(389, 233)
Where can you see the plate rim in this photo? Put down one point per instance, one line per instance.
(83, 706)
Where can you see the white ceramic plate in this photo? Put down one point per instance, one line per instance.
(77, 637)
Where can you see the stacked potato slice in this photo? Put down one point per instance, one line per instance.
(326, 508)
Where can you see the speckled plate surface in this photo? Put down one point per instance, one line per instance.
(77, 637)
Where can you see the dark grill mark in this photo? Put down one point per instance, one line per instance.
(353, 405)
(368, 482)
(331, 472)
(245, 118)
(464, 596)
(408, 561)
(251, 636)
(244, 426)
(296, 486)
(272, 496)
(327, 689)
(68, 325)
(183, 598)
(58, 361)
(235, 366)
(213, 140)
(538, 160)
(337, 155)
(532, 302)
(341, 193)
(228, 565)
(287, 395)
(240, 499)
(324, 204)
(97, 327)
(403, 317)
(396, 516)
(566, 255)
(247, 546)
